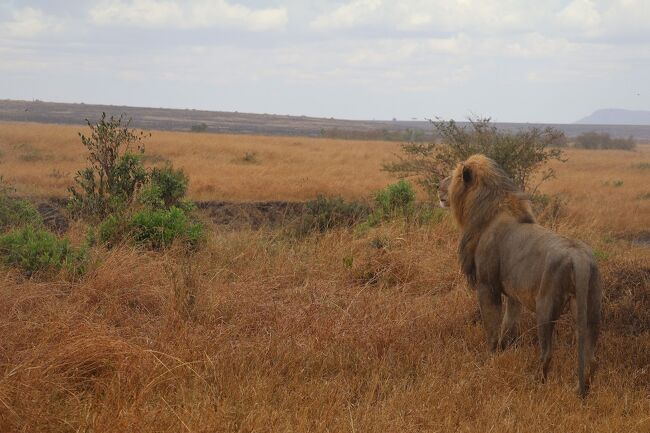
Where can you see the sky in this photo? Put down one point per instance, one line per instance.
(514, 61)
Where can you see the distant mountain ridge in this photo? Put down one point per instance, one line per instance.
(617, 116)
(168, 119)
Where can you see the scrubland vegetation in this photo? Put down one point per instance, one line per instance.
(595, 140)
(147, 316)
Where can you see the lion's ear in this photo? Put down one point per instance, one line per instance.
(467, 174)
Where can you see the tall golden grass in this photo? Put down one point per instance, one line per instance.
(42, 159)
(259, 331)
(286, 168)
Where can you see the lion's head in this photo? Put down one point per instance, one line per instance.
(479, 190)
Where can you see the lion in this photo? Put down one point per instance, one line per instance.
(504, 251)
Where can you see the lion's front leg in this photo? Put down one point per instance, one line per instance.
(509, 324)
(490, 302)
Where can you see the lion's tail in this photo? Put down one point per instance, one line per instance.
(587, 285)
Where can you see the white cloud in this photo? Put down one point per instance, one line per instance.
(187, 15)
(554, 19)
(537, 46)
(439, 15)
(347, 15)
(29, 22)
(628, 17)
(580, 14)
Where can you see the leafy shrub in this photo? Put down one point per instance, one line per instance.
(396, 199)
(166, 188)
(595, 140)
(200, 127)
(153, 228)
(112, 230)
(15, 212)
(115, 173)
(324, 213)
(521, 154)
(39, 251)
(159, 228)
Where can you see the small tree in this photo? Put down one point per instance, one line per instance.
(521, 154)
(201, 127)
(115, 172)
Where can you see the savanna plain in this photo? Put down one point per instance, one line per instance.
(347, 330)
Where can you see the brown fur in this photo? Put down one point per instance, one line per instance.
(503, 251)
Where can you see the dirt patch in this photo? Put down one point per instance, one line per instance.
(254, 214)
(638, 238)
(53, 212)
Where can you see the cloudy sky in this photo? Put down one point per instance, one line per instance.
(524, 61)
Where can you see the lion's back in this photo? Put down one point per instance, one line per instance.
(521, 255)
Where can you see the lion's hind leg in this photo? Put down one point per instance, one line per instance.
(548, 311)
(509, 323)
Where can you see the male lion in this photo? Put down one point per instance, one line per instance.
(503, 251)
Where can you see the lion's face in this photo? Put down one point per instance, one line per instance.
(479, 187)
(443, 191)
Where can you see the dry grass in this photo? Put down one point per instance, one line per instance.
(263, 332)
(42, 159)
(287, 168)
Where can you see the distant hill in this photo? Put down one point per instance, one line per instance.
(268, 124)
(617, 116)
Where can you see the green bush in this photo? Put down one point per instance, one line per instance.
(159, 228)
(396, 199)
(521, 154)
(39, 251)
(325, 213)
(199, 127)
(15, 212)
(166, 188)
(112, 230)
(153, 228)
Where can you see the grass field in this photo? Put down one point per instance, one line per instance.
(346, 331)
